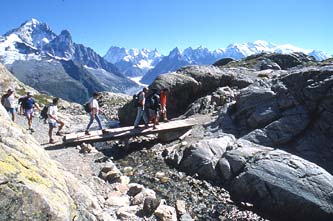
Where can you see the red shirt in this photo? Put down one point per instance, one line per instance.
(163, 99)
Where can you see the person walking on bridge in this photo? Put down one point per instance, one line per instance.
(141, 108)
(154, 106)
(94, 113)
(163, 99)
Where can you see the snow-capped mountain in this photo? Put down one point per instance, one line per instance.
(168, 63)
(34, 41)
(133, 62)
(203, 56)
(33, 33)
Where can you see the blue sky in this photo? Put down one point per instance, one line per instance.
(165, 24)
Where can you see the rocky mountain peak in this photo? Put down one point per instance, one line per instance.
(34, 33)
(65, 36)
(62, 46)
(174, 53)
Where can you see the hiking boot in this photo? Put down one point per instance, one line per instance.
(59, 133)
(32, 129)
(86, 132)
(52, 141)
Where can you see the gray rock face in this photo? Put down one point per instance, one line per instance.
(285, 184)
(202, 157)
(34, 187)
(291, 111)
(272, 61)
(190, 83)
(274, 181)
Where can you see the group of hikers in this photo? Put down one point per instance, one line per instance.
(27, 105)
(149, 107)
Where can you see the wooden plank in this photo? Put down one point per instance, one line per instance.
(126, 132)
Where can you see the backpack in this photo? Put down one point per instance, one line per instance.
(152, 101)
(43, 113)
(87, 107)
(3, 99)
(135, 100)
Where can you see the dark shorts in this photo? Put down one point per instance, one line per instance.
(11, 110)
(153, 113)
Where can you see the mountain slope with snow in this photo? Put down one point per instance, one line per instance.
(133, 62)
(203, 56)
(34, 41)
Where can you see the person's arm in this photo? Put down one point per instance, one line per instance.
(37, 106)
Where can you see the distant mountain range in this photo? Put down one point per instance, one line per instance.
(128, 59)
(56, 65)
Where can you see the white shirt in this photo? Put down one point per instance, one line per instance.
(94, 104)
(52, 110)
(10, 101)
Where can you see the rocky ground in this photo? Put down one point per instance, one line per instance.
(143, 164)
(264, 134)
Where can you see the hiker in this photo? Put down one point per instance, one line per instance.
(163, 100)
(154, 106)
(94, 110)
(21, 112)
(8, 101)
(28, 104)
(52, 113)
(141, 108)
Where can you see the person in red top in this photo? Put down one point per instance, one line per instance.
(163, 101)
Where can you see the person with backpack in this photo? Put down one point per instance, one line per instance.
(52, 116)
(20, 100)
(8, 101)
(94, 113)
(154, 106)
(29, 104)
(163, 100)
(141, 108)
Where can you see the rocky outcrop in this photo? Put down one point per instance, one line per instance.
(190, 83)
(272, 61)
(32, 186)
(274, 181)
(292, 111)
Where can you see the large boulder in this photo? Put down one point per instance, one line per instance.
(274, 181)
(190, 83)
(282, 184)
(34, 187)
(291, 111)
(202, 157)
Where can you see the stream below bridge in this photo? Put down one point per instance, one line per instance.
(145, 165)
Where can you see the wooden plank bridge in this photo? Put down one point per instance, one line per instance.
(124, 133)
